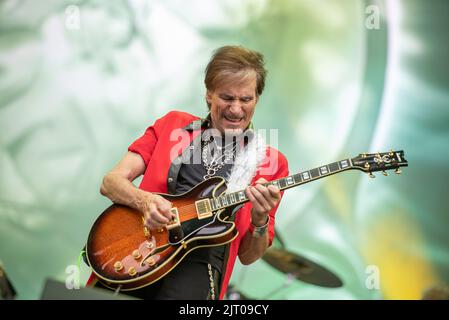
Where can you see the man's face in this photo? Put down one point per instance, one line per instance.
(233, 105)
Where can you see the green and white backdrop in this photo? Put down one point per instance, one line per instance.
(80, 80)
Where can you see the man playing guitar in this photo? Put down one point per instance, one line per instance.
(181, 150)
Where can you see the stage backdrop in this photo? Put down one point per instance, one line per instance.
(80, 80)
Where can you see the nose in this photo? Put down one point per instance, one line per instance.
(235, 107)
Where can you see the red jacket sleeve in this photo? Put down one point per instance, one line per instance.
(275, 168)
(280, 173)
(144, 146)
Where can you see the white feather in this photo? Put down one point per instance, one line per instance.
(247, 161)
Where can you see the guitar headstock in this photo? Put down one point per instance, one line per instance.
(381, 161)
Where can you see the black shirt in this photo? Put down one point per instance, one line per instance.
(190, 175)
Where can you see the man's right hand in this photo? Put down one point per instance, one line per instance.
(156, 211)
(117, 186)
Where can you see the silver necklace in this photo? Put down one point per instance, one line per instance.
(217, 161)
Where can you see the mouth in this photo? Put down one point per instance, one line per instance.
(234, 120)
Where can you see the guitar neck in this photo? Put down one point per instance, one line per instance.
(240, 197)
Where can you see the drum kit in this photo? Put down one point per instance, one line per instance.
(295, 267)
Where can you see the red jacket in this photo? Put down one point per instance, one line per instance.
(167, 138)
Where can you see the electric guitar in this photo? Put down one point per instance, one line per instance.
(126, 255)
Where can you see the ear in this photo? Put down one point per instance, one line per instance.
(208, 97)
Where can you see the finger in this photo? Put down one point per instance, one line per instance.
(274, 191)
(155, 226)
(156, 216)
(164, 207)
(150, 223)
(261, 180)
(263, 190)
(147, 220)
(254, 202)
(261, 200)
(164, 204)
(269, 201)
(159, 218)
(167, 214)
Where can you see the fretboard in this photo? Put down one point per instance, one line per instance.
(239, 197)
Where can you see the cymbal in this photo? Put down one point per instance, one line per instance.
(233, 294)
(301, 268)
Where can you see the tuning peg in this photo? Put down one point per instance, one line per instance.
(398, 171)
(371, 175)
(384, 173)
(391, 153)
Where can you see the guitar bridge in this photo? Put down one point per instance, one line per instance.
(175, 222)
(203, 208)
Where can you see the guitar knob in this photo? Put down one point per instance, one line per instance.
(146, 232)
(371, 175)
(385, 173)
(398, 171)
(136, 254)
(132, 271)
(118, 266)
(151, 261)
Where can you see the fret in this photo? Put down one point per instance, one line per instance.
(333, 167)
(324, 170)
(344, 164)
(314, 173)
(274, 183)
(282, 183)
(297, 178)
(217, 203)
(305, 175)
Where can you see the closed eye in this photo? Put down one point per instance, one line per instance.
(246, 99)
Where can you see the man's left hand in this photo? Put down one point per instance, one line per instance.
(263, 200)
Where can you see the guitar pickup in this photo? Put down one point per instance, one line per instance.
(203, 208)
(176, 221)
